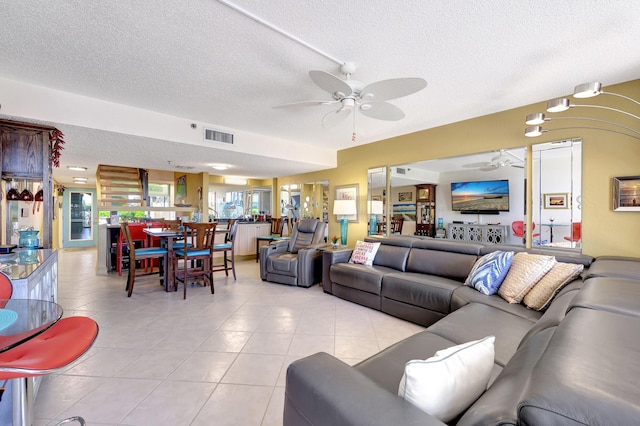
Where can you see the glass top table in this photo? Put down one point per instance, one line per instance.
(23, 319)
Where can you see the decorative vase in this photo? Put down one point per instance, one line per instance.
(344, 225)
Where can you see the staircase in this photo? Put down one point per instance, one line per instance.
(119, 186)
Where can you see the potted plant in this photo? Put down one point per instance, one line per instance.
(334, 241)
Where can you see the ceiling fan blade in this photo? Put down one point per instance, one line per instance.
(305, 104)
(517, 166)
(334, 118)
(332, 84)
(476, 165)
(382, 111)
(393, 88)
(489, 168)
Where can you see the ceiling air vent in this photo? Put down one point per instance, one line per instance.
(217, 136)
(401, 171)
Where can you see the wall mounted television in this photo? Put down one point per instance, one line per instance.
(480, 197)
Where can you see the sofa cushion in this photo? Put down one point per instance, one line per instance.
(364, 253)
(550, 284)
(615, 266)
(446, 384)
(360, 277)
(475, 321)
(387, 366)
(499, 404)
(617, 295)
(464, 295)
(525, 271)
(392, 256)
(442, 263)
(426, 291)
(489, 271)
(587, 373)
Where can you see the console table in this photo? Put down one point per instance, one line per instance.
(487, 234)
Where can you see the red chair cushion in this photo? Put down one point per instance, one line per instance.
(58, 346)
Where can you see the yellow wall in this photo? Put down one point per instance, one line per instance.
(605, 155)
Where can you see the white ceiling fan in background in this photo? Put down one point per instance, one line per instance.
(349, 95)
(503, 159)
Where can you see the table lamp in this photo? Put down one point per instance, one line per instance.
(374, 208)
(344, 208)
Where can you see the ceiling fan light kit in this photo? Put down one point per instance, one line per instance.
(581, 91)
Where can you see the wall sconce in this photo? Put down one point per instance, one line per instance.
(374, 208)
(344, 208)
(581, 91)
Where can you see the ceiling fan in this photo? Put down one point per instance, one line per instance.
(348, 95)
(503, 159)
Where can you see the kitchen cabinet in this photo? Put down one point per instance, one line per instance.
(246, 236)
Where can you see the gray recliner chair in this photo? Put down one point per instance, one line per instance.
(297, 261)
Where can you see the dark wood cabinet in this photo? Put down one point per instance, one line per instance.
(26, 157)
(426, 210)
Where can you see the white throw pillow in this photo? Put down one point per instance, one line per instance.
(450, 381)
(364, 253)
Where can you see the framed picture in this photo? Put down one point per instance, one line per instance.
(556, 201)
(626, 194)
(405, 196)
(348, 192)
(181, 186)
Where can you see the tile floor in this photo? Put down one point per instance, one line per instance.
(208, 360)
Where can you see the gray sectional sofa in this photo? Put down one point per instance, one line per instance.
(578, 362)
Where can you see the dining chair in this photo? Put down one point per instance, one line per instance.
(196, 255)
(396, 225)
(6, 287)
(576, 232)
(60, 345)
(277, 226)
(137, 236)
(518, 228)
(141, 254)
(227, 247)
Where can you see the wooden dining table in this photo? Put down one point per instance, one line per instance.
(167, 238)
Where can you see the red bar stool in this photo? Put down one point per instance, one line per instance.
(60, 345)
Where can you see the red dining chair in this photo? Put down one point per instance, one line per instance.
(576, 232)
(63, 343)
(518, 229)
(137, 235)
(145, 253)
(6, 288)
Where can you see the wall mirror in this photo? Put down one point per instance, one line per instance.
(80, 216)
(315, 200)
(477, 197)
(261, 201)
(377, 201)
(557, 194)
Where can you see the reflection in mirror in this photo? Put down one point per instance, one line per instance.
(290, 204)
(488, 197)
(556, 195)
(261, 202)
(80, 216)
(315, 200)
(377, 200)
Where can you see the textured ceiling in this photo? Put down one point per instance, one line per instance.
(202, 61)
